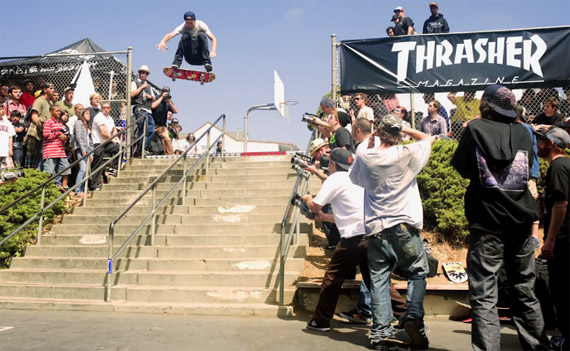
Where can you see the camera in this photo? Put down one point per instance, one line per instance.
(65, 130)
(309, 118)
(303, 207)
(325, 161)
(11, 175)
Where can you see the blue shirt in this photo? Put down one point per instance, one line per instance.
(534, 171)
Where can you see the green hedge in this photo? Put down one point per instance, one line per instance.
(15, 216)
(442, 190)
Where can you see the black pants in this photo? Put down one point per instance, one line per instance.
(349, 254)
(558, 270)
(110, 149)
(330, 229)
(194, 49)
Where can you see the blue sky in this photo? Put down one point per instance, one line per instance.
(255, 37)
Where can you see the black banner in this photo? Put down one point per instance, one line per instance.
(519, 59)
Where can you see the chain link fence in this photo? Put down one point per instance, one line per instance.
(98, 72)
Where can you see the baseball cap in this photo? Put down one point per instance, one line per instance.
(399, 8)
(501, 100)
(328, 102)
(557, 135)
(433, 4)
(315, 145)
(343, 158)
(189, 15)
(175, 120)
(68, 89)
(392, 124)
(394, 17)
(165, 88)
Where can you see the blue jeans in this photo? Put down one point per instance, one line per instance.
(363, 308)
(140, 128)
(81, 173)
(56, 165)
(399, 246)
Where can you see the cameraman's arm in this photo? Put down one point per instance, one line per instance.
(324, 217)
(318, 172)
(157, 102)
(308, 199)
(416, 134)
(172, 106)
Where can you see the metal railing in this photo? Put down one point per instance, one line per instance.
(43, 207)
(156, 205)
(288, 239)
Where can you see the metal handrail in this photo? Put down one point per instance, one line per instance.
(285, 242)
(155, 207)
(43, 186)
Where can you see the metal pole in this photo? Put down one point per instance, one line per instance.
(412, 111)
(334, 67)
(144, 135)
(128, 90)
(224, 136)
(110, 263)
(153, 223)
(256, 107)
(86, 180)
(184, 182)
(208, 153)
(40, 226)
(120, 158)
(282, 269)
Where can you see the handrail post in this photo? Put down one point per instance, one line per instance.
(208, 154)
(224, 136)
(153, 223)
(144, 135)
(120, 158)
(282, 268)
(184, 182)
(40, 225)
(86, 179)
(110, 263)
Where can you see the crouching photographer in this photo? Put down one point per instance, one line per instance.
(319, 151)
(346, 200)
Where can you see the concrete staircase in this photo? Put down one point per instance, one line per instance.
(217, 254)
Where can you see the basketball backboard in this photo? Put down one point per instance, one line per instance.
(279, 95)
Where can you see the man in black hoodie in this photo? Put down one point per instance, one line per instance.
(496, 154)
(435, 23)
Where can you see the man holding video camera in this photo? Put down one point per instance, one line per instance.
(160, 109)
(347, 201)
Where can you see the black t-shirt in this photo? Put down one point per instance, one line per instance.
(558, 189)
(402, 27)
(93, 112)
(341, 137)
(159, 114)
(19, 137)
(555, 120)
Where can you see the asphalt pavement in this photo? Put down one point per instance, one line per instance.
(78, 331)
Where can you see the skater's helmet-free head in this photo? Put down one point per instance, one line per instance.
(190, 19)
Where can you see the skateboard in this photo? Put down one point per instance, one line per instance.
(502, 311)
(188, 74)
(455, 272)
(400, 342)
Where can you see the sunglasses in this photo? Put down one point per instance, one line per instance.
(357, 98)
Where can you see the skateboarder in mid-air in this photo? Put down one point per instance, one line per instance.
(193, 45)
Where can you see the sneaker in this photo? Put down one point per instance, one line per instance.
(208, 67)
(385, 343)
(416, 330)
(314, 325)
(328, 248)
(355, 317)
(175, 67)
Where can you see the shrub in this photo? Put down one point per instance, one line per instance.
(442, 190)
(12, 218)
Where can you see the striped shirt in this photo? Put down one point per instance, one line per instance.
(52, 144)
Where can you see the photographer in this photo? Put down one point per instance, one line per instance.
(319, 150)
(347, 201)
(160, 109)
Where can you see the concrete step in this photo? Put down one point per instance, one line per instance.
(168, 240)
(213, 165)
(194, 193)
(182, 219)
(232, 159)
(233, 251)
(238, 171)
(181, 210)
(220, 228)
(156, 278)
(147, 294)
(223, 309)
(155, 264)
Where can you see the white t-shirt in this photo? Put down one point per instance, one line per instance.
(101, 120)
(6, 132)
(71, 124)
(347, 202)
(199, 27)
(366, 112)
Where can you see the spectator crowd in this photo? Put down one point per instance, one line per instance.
(38, 129)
